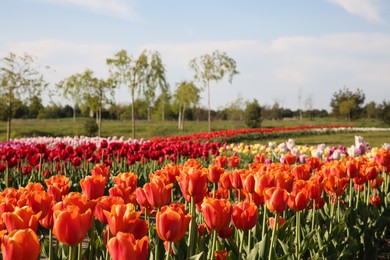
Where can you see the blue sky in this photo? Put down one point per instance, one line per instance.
(297, 53)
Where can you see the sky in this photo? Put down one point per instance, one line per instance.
(296, 53)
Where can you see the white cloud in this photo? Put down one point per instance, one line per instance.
(123, 9)
(269, 71)
(364, 8)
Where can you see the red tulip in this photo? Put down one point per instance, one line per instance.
(193, 183)
(93, 186)
(106, 203)
(276, 199)
(21, 244)
(216, 213)
(126, 246)
(158, 193)
(233, 161)
(58, 186)
(21, 218)
(123, 217)
(172, 222)
(280, 222)
(244, 215)
(71, 224)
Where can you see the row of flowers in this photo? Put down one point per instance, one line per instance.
(301, 209)
(205, 136)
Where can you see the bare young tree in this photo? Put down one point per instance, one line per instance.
(213, 67)
(20, 77)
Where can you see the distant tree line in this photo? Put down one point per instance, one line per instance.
(22, 84)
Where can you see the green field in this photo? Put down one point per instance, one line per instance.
(145, 129)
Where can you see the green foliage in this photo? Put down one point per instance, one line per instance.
(91, 127)
(346, 102)
(253, 114)
(385, 112)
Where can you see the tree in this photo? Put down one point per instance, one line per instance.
(213, 68)
(253, 114)
(186, 94)
(71, 88)
(35, 106)
(134, 73)
(19, 77)
(155, 78)
(384, 113)
(346, 94)
(345, 108)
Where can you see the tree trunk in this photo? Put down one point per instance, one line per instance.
(9, 117)
(132, 115)
(179, 119)
(182, 120)
(74, 113)
(208, 98)
(9, 128)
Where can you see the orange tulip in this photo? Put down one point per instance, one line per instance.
(290, 159)
(335, 185)
(298, 200)
(214, 173)
(280, 222)
(125, 246)
(276, 199)
(48, 220)
(249, 183)
(221, 254)
(125, 186)
(58, 186)
(158, 193)
(127, 180)
(375, 200)
(244, 215)
(314, 163)
(93, 186)
(220, 161)
(21, 244)
(216, 212)
(71, 225)
(101, 170)
(382, 158)
(193, 183)
(21, 218)
(39, 201)
(263, 181)
(123, 217)
(106, 203)
(233, 161)
(301, 172)
(172, 222)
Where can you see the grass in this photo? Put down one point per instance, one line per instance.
(145, 129)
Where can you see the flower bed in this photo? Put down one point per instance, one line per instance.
(202, 200)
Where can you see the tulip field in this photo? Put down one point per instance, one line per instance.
(193, 197)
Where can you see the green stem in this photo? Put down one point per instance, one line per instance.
(298, 233)
(350, 193)
(167, 253)
(273, 238)
(338, 210)
(92, 243)
(241, 243)
(264, 221)
(313, 219)
(72, 252)
(331, 217)
(50, 244)
(357, 198)
(108, 239)
(80, 250)
(192, 230)
(249, 242)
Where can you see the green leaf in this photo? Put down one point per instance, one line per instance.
(196, 257)
(260, 250)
